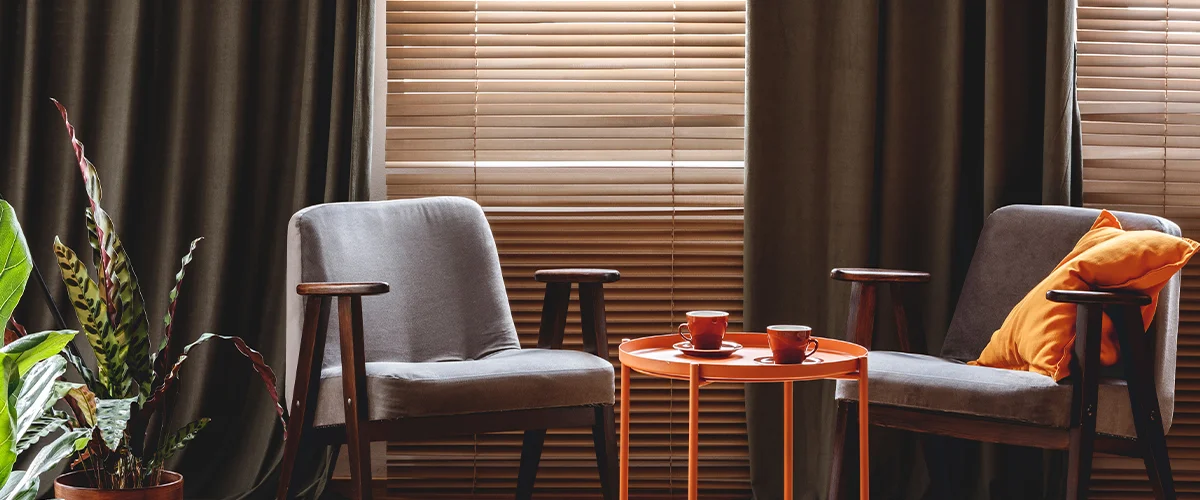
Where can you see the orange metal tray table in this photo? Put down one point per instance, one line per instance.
(835, 359)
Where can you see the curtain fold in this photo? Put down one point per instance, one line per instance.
(213, 118)
(881, 134)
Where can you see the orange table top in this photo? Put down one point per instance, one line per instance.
(655, 356)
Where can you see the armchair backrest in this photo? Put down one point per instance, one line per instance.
(447, 299)
(1019, 246)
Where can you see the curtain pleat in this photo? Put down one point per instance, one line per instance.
(881, 134)
(213, 118)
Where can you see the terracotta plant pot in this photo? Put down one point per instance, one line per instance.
(75, 486)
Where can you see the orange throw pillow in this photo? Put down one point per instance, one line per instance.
(1038, 335)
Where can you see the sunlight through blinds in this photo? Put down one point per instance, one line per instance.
(595, 133)
(1139, 94)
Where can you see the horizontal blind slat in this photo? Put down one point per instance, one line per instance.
(594, 133)
(1138, 80)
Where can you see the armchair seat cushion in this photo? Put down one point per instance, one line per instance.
(512, 379)
(943, 385)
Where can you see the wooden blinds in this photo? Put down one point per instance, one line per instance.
(561, 103)
(1139, 93)
(597, 133)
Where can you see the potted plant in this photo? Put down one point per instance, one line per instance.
(29, 377)
(134, 377)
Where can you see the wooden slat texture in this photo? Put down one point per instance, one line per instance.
(1139, 92)
(595, 133)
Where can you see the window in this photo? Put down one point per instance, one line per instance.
(1138, 93)
(598, 133)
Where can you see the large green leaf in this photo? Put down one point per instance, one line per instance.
(8, 416)
(21, 483)
(92, 311)
(15, 263)
(29, 368)
(30, 349)
(29, 395)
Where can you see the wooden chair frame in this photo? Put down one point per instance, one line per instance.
(359, 430)
(1081, 440)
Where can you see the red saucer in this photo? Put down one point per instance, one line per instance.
(727, 348)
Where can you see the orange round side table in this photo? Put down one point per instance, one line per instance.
(835, 359)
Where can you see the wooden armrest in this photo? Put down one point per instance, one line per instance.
(577, 275)
(878, 275)
(860, 325)
(343, 289)
(591, 307)
(1098, 297)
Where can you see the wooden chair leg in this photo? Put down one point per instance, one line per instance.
(1084, 402)
(354, 389)
(1079, 461)
(304, 390)
(604, 435)
(836, 485)
(1143, 400)
(531, 454)
(1158, 462)
(291, 449)
(358, 449)
(934, 449)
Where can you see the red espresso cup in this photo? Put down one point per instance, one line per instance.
(791, 344)
(705, 329)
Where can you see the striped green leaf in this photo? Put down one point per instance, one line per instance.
(24, 484)
(128, 337)
(42, 427)
(111, 417)
(92, 312)
(256, 361)
(158, 358)
(37, 393)
(130, 327)
(174, 443)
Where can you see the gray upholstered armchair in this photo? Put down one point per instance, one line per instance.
(436, 352)
(1125, 414)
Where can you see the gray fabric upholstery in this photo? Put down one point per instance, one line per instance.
(1019, 246)
(938, 384)
(514, 379)
(446, 314)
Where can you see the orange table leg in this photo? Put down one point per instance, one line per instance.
(694, 432)
(864, 451)
(787, 440)
(624, 432)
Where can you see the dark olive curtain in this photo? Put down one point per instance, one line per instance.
(214, 118)
(881, 133)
